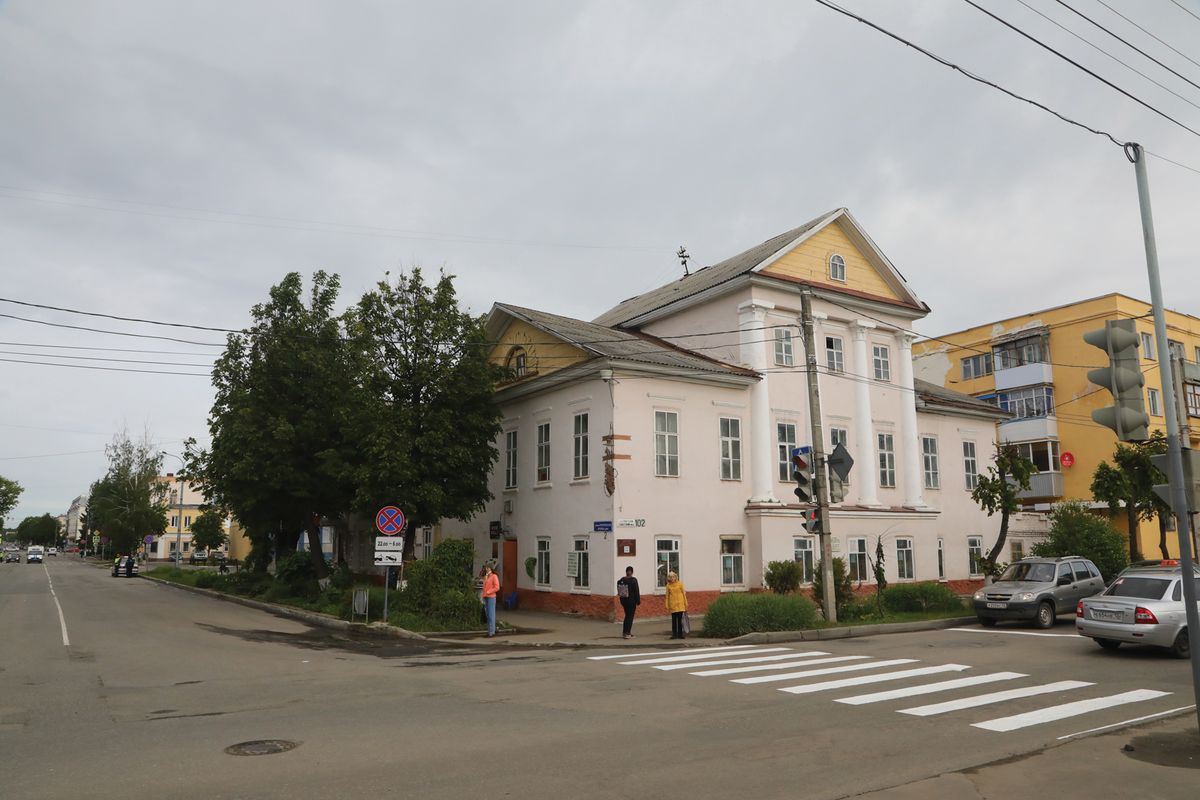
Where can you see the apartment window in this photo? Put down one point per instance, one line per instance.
(1031, 401)
(1019, 352)
(837, 268)
(424, 543)
(1153, 405)
(802, 552)
(1196, 354)
(1044, 455)
(581, 446)
(904, 558)
(1148, 346)
(882, 363)
(1191, 394)
(731, 562)
(1016, 550)
(975, 555)
(976, 366)
(856, 556)
(783, 347)
(970, 466)
(929, 455)
(887, 460)
(543, 452)
(581, 566)
(785, 435)
(835, 356)
(941, 560)
(187, 521)
(667, 554)
(666, 444)
(1176, 349)
(174, 520)
(510, 460)
(543, 562)
(731, 449)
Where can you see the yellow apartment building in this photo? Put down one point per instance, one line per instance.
(1035, 366)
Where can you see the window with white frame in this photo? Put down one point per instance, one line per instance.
(731, 563)
(666, 444)
(1176, 349)
(837, 268)
(929, 457)
(882, 362)
(581, 567)
(1026, 402)
(785, 436)
(666, 552)
(904, 558)
(174, 520)
(1152, 406)
(975, 555)
(783, 347)
(543, 452)
(887, 459)
(976, 366)
(856, 557)
(802, 552)
(581, 446)
(835, 355)
(1191, 397)
(1019, 352)
(187, 521)
(543, 561)
(941, 559)
(970, 466)
(1196, 354)
(1016, 549)
(510, 459)
(1044, 454)
(424, 543)
(731, 449)
(1148, 346)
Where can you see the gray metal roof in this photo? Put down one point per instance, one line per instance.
(930, 394)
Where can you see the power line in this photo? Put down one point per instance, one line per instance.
(110, 333)
(105, 369)
(1185, 8)
(102, 358)
(101, 349)
(138, 320)
(1148, 33)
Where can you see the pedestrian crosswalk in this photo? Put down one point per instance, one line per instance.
(808, 672)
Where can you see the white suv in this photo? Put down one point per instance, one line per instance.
(34, 555)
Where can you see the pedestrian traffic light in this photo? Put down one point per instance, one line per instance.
(812, 520)
(802, 474)
(1122, 378)
(837, 489)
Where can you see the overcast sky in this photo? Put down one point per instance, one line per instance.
(172, 160)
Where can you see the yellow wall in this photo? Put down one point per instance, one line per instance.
(810, 262)
(1074, 396)
(543, 353)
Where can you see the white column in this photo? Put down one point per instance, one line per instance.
(910, 442)
(752, 318)
(866, 467)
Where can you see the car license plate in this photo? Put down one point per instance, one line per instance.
(997, 605)
(1111, 616)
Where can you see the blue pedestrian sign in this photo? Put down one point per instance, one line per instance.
(390, 521)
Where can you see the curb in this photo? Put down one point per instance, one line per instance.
(850, 632)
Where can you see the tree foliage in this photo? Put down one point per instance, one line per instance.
(1129, 481)
(41, 530)
(783, 577)
(996, 493)
(129, 502)
(10, 491)
(1076, 531)
(208, 531)
(843, 587)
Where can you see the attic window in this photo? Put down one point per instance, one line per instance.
(516, 362)
(837, 268)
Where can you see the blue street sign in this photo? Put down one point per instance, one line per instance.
(602, 526)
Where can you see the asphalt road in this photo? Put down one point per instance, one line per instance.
(155, 683)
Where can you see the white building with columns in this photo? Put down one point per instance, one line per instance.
(658, 435)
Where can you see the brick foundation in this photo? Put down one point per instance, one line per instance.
(599, 606)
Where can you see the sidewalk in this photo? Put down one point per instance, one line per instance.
(550, 628)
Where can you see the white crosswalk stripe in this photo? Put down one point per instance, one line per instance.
(787, 676)
(1053, 713)
(672, 659)
(743, 647)
(765, 667)
(860, 680)
(748, 660)
(994, 697)
(929, 688)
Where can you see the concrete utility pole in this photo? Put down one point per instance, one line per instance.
(1179, 502)
(829, 598)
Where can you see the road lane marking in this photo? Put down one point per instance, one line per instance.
(742, 647)
(676, 658)
(788, 665)
(841, 683)
(749, 660)
(62, 621)
(994, 697)
(1053, 713)
(1014, 633)
(828, 671)
(929, 688)
(1133, 721)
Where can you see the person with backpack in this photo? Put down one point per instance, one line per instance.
(630, 597)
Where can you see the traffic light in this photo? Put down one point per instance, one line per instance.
(1122, 378)
(1191, 478)
(812, 520)
(802, 474)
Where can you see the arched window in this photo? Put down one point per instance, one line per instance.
(837, 268)
(516, 362)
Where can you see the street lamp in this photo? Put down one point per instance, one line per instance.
(179, 529)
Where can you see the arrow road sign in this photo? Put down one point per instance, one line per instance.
(840, 461)
(390, 521)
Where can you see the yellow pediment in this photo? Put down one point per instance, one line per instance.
(829, 257)
(529, 351)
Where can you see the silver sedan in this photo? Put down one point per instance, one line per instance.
(1142, 606)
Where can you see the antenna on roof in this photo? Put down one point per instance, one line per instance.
(683, 257)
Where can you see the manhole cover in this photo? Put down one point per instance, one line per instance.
(261, 747)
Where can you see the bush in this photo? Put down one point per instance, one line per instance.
(738, 614)
(297, 576)
(921, 597)
(448, 569)
(783, 577)
(207, 580)
(249, 584)
(1076, 531)
(843, 587)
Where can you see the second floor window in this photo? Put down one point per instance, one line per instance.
(785, 435)
(970, 466)
(887, 460)
(581, 446)
(783, 347)
(1044, 455)
(976, 366)
(543, 452)
(1031, 401)
(1153, 408)
(929, 455)
(731, 449)
(882, 363)
(835, 357)
(1148, 346)
(510, 459)
(666, 444)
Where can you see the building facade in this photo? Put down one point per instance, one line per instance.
(658, 436)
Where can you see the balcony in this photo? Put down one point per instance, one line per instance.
(1042, 486)
(1029, 429)
(1023, 375)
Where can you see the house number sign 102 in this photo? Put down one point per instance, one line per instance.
(631, 523)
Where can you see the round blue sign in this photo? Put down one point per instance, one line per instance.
(390, 521)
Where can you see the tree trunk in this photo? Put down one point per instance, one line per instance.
(996, 548)
(315, 551)
(1132, 520)
(1162, 536)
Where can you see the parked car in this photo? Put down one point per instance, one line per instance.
(197, 557)
(1143, 606)
(1038, 590)
(126, 567)
(52, 551)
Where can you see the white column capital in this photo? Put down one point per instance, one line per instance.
(754, 310)
(859, 328)
(906, 339)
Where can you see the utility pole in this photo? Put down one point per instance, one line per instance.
(829, 599)
(1179, 501)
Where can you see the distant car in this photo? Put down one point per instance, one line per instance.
(52, 551)
(127, 567)
(12, 558)
(34, 555)
(198, 557)
(1143, 606)
(1038, 590)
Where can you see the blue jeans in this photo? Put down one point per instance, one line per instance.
(489, 604)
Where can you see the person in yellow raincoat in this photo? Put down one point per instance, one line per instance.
(676, 604)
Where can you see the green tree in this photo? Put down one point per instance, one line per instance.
(1130, 483)
(10, 491)
(208, 531)
(280, 459)
(426, 424)
(129, 502)
(843, 587)
(41, 530)
(1076, 531)
(996, 492)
